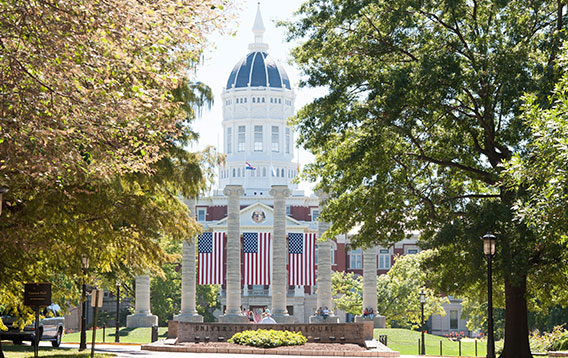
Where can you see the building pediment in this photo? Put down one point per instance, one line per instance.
(259, 217)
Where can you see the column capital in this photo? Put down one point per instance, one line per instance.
(233, 190)
(280, 191)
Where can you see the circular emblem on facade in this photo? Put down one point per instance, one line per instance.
(258, 216)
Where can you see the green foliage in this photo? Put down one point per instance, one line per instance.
(556, 340)
(268, 338)
(348, 287)
(166, 292)
(397, 292)
(96, 117)
(422, 114)
(208, 301)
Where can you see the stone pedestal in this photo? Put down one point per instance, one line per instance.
(279, 278)
(320, 319)
(142, 316)
(281, 318)
(233, 311)
(378, 321)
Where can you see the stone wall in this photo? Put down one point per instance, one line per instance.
(356, 333)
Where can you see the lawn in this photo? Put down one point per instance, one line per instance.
(406, 342)
(26, 351)
(127, 335)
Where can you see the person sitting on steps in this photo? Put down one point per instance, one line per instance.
(325, 312)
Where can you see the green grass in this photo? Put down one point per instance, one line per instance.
(127, 335)
(406, 342)
(26, 351)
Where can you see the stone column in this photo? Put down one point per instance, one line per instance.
(279, 277)
(324, 270)
(370, 278)
(233, 292)
(142, 316)
(370, 287)
(188, 313)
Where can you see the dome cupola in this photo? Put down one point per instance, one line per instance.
(258, 69)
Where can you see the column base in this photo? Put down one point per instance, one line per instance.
(188, 317)
(321, 319)
(233, 318)
(379, 321)
(280, 318)
(141, 320)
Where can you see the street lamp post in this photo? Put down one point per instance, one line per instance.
(489, 251)
(422, 301)
(83, 343)
(116, 335)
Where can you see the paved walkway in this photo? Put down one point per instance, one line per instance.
(133, 350)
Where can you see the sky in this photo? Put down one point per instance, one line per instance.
(228, 49)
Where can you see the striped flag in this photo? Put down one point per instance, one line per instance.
(301, 259)
(256, 250)
(210, 253)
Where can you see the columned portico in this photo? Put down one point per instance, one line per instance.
(142, 316)
(279, 278)
(188, 313)
(324, 270)
(233, 311)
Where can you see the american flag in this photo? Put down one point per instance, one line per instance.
(256, 250)
(210, 253)
(301, 259)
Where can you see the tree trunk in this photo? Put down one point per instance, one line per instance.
(516, 325)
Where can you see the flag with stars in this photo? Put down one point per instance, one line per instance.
(210, 253)
(301, 259)
(256, 252)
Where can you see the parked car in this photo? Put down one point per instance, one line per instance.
(51, 327)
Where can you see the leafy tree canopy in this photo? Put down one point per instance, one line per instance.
(95, 117)
(424, 107)
(397, 292)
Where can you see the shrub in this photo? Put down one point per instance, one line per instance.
(557, 340)
(268, 338)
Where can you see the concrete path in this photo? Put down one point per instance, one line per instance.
(126, 351)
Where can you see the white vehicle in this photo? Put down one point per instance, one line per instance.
(51, 327)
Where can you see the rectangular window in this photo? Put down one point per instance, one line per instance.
(412, 251)
(275, 139)
(287, 140)
(201, 214)
(384, 259)
(453, 319)
(229, 140)
(356, 259)
(315, 214)
(332, 255)
(258, 138)
(242, 138)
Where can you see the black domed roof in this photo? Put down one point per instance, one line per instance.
(258, 69)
